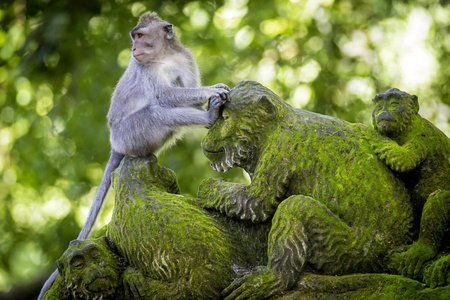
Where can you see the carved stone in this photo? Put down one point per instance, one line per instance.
(320, 204)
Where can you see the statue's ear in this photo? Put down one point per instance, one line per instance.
(267, 106)
(415, 102)
(60, 266)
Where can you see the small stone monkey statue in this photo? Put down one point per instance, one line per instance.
(420, 153)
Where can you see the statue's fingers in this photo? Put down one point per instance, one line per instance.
(235, 294)
(231, 288)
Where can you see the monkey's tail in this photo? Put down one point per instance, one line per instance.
(113, 163)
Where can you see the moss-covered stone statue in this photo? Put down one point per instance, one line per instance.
(158, 245)
(420, 153)
(323, 218)
(335, 207)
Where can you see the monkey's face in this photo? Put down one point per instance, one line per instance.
(150, 42)
(393, 111)
(90, 270)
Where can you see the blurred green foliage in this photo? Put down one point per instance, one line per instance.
(60, 60)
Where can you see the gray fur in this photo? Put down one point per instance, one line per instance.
(159, 92)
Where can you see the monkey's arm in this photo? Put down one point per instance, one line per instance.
(402, 158)
(183, 97)
(146, 130)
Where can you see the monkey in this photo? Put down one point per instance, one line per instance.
(419, 153)
(158, 93)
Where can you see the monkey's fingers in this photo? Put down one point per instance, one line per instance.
(225, 97)
(222, 86)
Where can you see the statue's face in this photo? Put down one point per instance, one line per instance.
(392, 112)
(90, 269)
(387, 112)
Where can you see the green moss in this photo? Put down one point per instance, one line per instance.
(336, 207)
(420, 152)
(320, 204)
(167, 237)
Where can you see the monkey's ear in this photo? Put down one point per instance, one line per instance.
(168, 28)
(267, 106)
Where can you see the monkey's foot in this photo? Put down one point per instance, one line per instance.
(255, 286)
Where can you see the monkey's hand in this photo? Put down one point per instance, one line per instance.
(438, 273)
(219, 90)
(215, 102)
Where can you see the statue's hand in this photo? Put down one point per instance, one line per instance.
(413, 260)
(134, 283)
(255, 286)
(207, 192)
(438, 273)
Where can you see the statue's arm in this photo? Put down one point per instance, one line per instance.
(433, 224)
(401, 158)
(256, 202)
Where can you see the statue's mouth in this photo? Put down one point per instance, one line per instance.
(98, 285)
(385, 123)
(214, 155)
(214, 151)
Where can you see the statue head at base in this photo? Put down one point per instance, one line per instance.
(90, 269)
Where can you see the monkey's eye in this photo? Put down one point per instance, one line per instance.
(139, 35)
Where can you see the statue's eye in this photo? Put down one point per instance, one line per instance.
(394, 104)
(77, 262)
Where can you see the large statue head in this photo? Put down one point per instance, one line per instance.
(236, 137)
(90, 269)
(393, 111)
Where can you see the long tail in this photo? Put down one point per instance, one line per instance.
(113, 163)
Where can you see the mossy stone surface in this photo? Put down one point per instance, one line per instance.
(323, 218)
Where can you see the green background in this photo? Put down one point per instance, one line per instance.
(60, 61)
